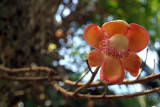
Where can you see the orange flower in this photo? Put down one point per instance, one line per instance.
(116, 43)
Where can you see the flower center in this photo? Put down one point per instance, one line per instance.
(116, 46)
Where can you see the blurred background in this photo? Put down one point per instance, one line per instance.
(50, 33)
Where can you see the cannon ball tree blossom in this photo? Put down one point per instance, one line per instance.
(116, 44)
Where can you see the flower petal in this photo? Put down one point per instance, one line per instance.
(115, 27)
(112, 71)
(132, 64)
(138, 38)
(93, 35)
(96, 58)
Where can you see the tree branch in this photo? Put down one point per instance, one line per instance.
(24, 78)
(66, 81)
(126, 82)
(99, 97)
(27, 69)
(53, 79)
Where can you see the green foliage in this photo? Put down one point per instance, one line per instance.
(131, 103)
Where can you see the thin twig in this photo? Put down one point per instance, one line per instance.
(79, 80)
(143, 65)
(89, 67)
(153, 72)
(105, 90)
(88, 83)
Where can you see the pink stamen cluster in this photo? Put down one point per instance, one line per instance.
(112, 51)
